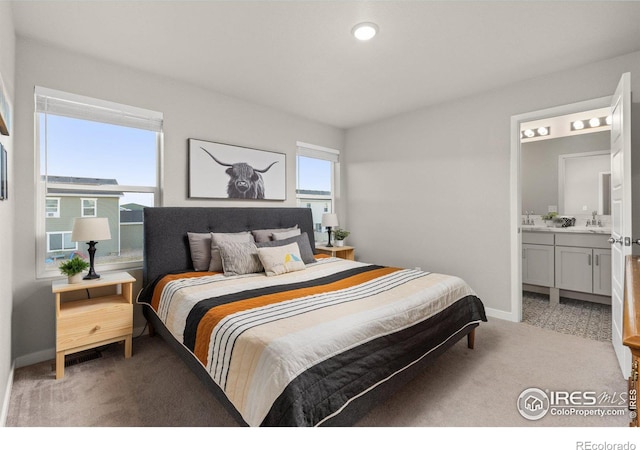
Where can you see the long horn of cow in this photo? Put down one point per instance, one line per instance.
(216, 159)
(264, 170)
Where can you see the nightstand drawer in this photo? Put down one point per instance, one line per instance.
(99, 324)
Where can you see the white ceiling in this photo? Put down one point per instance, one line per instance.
(299, 56)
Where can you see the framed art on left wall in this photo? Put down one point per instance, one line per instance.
(4, 195)
(5, 110)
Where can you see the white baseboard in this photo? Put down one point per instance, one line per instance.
(7, 398)
(499, 314)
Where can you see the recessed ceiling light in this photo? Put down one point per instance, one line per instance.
(529, 133)
(543, 131)
(595, 122)
(608, 120)
(578, 125)
(365, 31)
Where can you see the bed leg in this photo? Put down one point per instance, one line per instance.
(471, 338)
(152, 331)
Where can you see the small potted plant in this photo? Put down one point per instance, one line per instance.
(73, 268)
(549, 217)
(340, 235)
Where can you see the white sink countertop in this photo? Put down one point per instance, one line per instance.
(579, 229)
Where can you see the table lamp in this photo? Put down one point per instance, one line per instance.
(329, 221)
(91, 230)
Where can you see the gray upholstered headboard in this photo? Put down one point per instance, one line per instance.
(166, 246)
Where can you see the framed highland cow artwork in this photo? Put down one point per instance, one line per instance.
(225, 171)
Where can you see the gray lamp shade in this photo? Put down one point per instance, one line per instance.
(329, 220)
(87, 229)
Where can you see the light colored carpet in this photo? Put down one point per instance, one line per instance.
(464, 388)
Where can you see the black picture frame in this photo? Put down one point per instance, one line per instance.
(5, 110)
(225, 171)
(4, 192)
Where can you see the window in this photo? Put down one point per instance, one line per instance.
(317, 171)
(97, 159)
(52, 207)
(60, 241)
(89, 206)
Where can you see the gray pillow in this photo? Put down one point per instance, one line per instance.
(200, 246)
(239, 258)
(280, 235)
(215, 264)
(303, 244)
(265, 235)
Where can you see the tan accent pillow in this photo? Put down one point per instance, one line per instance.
(200, 247)
(279, 260)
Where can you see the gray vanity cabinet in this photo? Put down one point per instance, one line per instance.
(602, 271)
(574, 269)
(537, 259)
(583, 263)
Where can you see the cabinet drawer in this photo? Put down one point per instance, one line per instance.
(98, 324)
(543, 238)
(583, 240)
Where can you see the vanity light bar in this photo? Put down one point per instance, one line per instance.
(535, 132)
(594, 122)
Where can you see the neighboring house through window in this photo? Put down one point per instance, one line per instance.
(60, 241)
(317, 170)
(89, 207)
(52, 207)
(95, 157)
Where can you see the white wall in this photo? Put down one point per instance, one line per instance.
(7, 66)
(189, 112)
(431, 188)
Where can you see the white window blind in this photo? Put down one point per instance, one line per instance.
(76, 106)
(318, 152)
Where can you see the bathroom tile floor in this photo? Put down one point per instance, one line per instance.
(580, 318)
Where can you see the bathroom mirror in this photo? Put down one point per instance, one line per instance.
(547, 187)
(584, 183)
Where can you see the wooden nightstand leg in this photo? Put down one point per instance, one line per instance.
(128, 344)
(59, 365)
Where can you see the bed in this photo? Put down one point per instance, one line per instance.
(285, 337)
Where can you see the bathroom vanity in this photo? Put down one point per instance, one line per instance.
(574, 262)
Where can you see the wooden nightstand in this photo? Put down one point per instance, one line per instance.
(344, 252)
(92, 322)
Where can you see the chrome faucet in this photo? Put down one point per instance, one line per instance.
(528, 220)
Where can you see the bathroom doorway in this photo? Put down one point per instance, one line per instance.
(566, 223)
(534, 120)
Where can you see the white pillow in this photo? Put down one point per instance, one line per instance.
(279, 260)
